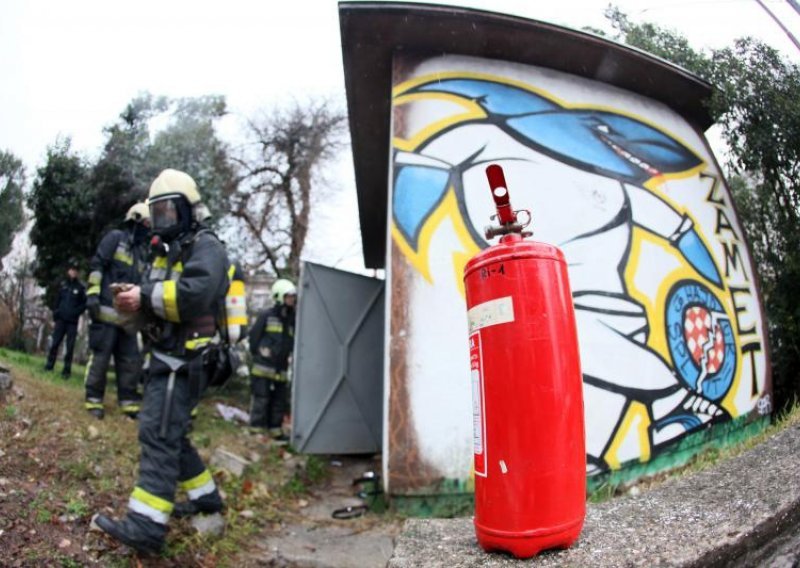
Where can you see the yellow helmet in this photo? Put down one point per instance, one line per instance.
(173, 200)
(138, 212)
(281, 288)
(171, 182)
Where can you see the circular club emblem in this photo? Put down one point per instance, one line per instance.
(700, 339)
(703, 339)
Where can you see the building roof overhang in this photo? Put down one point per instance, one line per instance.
(372, 32)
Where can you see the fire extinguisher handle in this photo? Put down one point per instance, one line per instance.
(499, 188)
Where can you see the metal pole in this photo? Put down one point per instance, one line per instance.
(777, 21)
(795, 5)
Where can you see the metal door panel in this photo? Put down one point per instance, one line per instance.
(337, 378)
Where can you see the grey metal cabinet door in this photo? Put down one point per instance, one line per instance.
(337, 375)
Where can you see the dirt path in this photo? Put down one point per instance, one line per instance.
(312, 537)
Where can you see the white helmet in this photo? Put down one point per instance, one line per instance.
(170, 182)
(281, 288)
(138, 212)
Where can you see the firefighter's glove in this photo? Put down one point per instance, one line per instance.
(264, 352)
(93, 306)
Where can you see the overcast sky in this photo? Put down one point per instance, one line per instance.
(69, 67)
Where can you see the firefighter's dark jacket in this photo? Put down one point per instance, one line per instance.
(71, 301)
(184, 291)
(274, 329)
(117, 260)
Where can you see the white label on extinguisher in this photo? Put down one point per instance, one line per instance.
(478, 406)
(493, 312)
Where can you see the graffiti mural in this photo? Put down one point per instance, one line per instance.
(669, 321)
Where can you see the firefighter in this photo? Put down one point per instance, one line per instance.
(68, 308)
(181, 296)
(120, 258)
(271, 343)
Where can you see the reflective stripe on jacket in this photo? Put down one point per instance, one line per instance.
(186, 289)
(273, 330)
(116, 260)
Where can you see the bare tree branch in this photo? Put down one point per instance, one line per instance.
(278, 172)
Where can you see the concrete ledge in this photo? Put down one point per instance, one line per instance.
(734, 512)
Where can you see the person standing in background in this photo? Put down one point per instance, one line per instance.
(271, 344)
(120, 259)
(69, 306)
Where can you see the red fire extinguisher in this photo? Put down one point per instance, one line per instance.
(527, 395)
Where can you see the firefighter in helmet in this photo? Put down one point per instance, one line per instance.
(271, 343)
(120, 259)
(181, 296)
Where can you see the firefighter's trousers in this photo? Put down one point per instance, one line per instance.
(269, 402)
(105, 340)
(169, 462)
(70, 330)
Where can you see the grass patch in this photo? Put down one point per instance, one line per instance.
(704, 459)
(77, 506)
(76, 466)
(711, 456)
(316, 469)
(43, 515)
(79, 470)
(38, 508)
(605, 492)
(33, 365)
(10, 411)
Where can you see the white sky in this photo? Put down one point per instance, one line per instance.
(70, 67)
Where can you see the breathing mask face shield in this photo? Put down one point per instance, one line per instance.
(170, 216)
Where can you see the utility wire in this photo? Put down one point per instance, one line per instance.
(793, 3)
(691, 3)
(347, 253)
(777, 21)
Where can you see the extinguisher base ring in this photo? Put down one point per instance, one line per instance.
(526, 544)
(564, 527)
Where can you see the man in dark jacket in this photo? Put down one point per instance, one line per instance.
(181, 296)
(120, 259)
(271, 343)
(69, 306)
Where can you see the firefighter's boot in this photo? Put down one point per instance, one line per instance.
(207, 504)
(136, 531)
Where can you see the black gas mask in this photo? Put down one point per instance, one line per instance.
(170, 216)
(140, 233)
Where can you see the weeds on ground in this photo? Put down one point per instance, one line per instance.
(66, 562)
(712, 455)
(704, 459)
(33, 365)
(72, 466)
(77, 506)
(603, 493)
